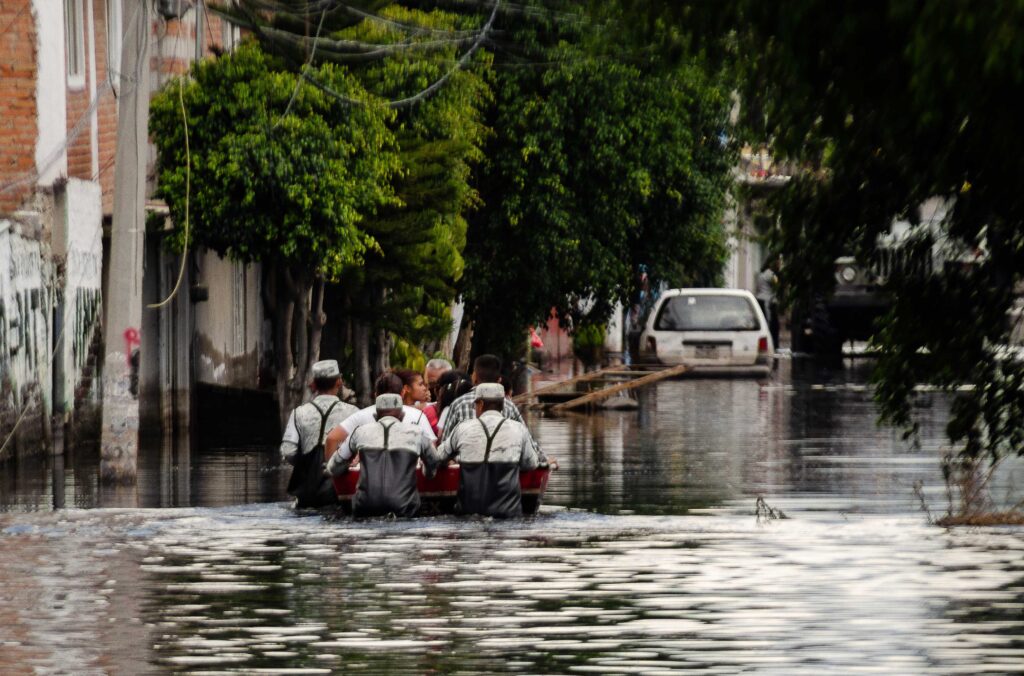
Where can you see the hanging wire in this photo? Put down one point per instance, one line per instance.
(188, 191)
(71, 137)
(298, 81)
(416, 98)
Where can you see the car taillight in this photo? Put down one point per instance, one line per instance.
(652, 344)
(763, 357)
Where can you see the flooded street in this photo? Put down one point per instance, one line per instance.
(647, 556)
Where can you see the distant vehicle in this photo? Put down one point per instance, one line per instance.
(824, 322)
(708, 329)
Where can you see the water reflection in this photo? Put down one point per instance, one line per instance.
(805, 433)
(258, 590)
(646, 559)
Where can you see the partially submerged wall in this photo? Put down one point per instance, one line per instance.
(51, 262)
(26, 302)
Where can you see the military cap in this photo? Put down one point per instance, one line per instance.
(490, 391)
(328, 368)
(388, 402)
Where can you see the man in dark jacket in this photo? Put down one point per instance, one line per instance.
(388, 451)
(491, 451)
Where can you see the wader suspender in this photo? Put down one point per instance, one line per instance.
(323, 424)
(387, 431)
(490, 437)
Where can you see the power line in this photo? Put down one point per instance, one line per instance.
(80, 123)
(416, 98)
(298, 81)
(15, 19)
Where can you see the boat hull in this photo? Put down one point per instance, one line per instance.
(441, 491)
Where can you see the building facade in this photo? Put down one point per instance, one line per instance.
(58, 117)
(60, 84)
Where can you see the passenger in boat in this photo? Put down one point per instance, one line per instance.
(388, 383)
(302, 445)
(414, 389)
(388, 451)
(486, 369)
(432, 374)
(452, 385)
(491, 450)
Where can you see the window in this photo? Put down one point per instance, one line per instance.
(74, 42)
(114, 36)
(706, 313)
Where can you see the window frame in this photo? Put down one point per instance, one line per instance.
(115, 42)
(74, 43)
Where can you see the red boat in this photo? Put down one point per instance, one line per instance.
(442, 490)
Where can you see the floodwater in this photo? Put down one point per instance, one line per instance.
(647, 556)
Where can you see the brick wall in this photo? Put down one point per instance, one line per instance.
(108, 107)
(17, 100)
(78, 103)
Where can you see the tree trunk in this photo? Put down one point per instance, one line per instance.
(282, 321)
(296, 333)
(317, 321)
(382, 342)
(361, 352)
(460, 355)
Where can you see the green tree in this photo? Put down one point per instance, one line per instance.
(271, 169)
(427, 67)
(403, 291)
(597, 165)
(885, 105)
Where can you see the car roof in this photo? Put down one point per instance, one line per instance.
(707, 292)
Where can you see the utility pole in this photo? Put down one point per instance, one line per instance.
(120, 433)
(200, 38)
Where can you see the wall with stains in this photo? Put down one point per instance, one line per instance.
(51, 261)
(26, 303)
(78, 253)
(229, 323)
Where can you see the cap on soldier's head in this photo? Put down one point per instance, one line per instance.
(490, 392)
(328, 368)
(388, 402)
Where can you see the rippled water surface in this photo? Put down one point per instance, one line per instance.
(646, 558)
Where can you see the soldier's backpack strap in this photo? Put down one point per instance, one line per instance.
(490, 437)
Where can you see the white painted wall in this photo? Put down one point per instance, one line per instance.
(77, 239)
(51, 91)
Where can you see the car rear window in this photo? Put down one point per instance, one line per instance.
(706, 313)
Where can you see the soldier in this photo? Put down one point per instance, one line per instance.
(491, 449)
(388, 451)
(303, 443)
(486, 369)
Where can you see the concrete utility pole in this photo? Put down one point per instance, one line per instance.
(120, 434)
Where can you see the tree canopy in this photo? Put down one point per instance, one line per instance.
(272, 176)
(883, 106)
(596, 166)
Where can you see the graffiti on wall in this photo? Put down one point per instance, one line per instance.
(26, 303)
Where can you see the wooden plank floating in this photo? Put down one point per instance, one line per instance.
(599, 395)
(593, 375)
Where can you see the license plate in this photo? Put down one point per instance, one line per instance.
(705, 351)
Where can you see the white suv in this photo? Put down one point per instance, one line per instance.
(708, 328)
